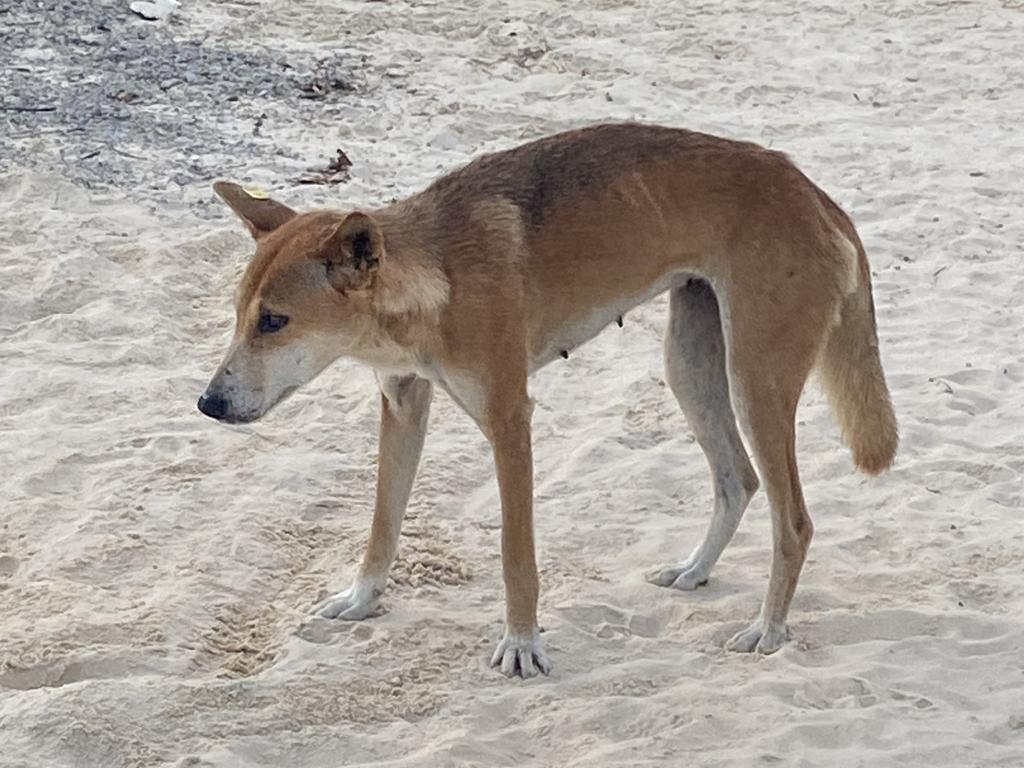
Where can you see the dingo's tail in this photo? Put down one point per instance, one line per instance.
(852, 376)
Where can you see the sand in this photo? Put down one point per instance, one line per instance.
(156, 569)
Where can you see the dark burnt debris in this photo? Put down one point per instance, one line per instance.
(89, 88)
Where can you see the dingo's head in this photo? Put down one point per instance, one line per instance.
(304, 301)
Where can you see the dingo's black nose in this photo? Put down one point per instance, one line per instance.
(215, 406)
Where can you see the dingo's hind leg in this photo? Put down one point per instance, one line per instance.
(774, 333)
(695, 369)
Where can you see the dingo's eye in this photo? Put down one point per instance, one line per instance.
(272, 323)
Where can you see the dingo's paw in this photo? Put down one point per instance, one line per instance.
(761, 636)
(522, 655)
(354, 604)
(686, 576)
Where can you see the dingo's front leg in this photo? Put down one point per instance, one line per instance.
(405, 408)
(520, 651)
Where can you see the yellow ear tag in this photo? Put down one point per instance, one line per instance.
(256, 193)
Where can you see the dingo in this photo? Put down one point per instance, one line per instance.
(509, 263)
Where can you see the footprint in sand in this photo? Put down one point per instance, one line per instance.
(8, 565)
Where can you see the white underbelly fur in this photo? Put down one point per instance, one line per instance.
(580, 330)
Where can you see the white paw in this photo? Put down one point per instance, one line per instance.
(761, 636)
(354, 604)
(686, 576)
(521, 655)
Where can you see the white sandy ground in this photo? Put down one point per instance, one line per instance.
(156, 568)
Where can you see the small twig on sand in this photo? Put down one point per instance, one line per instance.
(16, 108)
(127, 154)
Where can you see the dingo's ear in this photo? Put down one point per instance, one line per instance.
(260, 214)
(353, 252)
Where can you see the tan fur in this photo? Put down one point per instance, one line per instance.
(513, 261)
